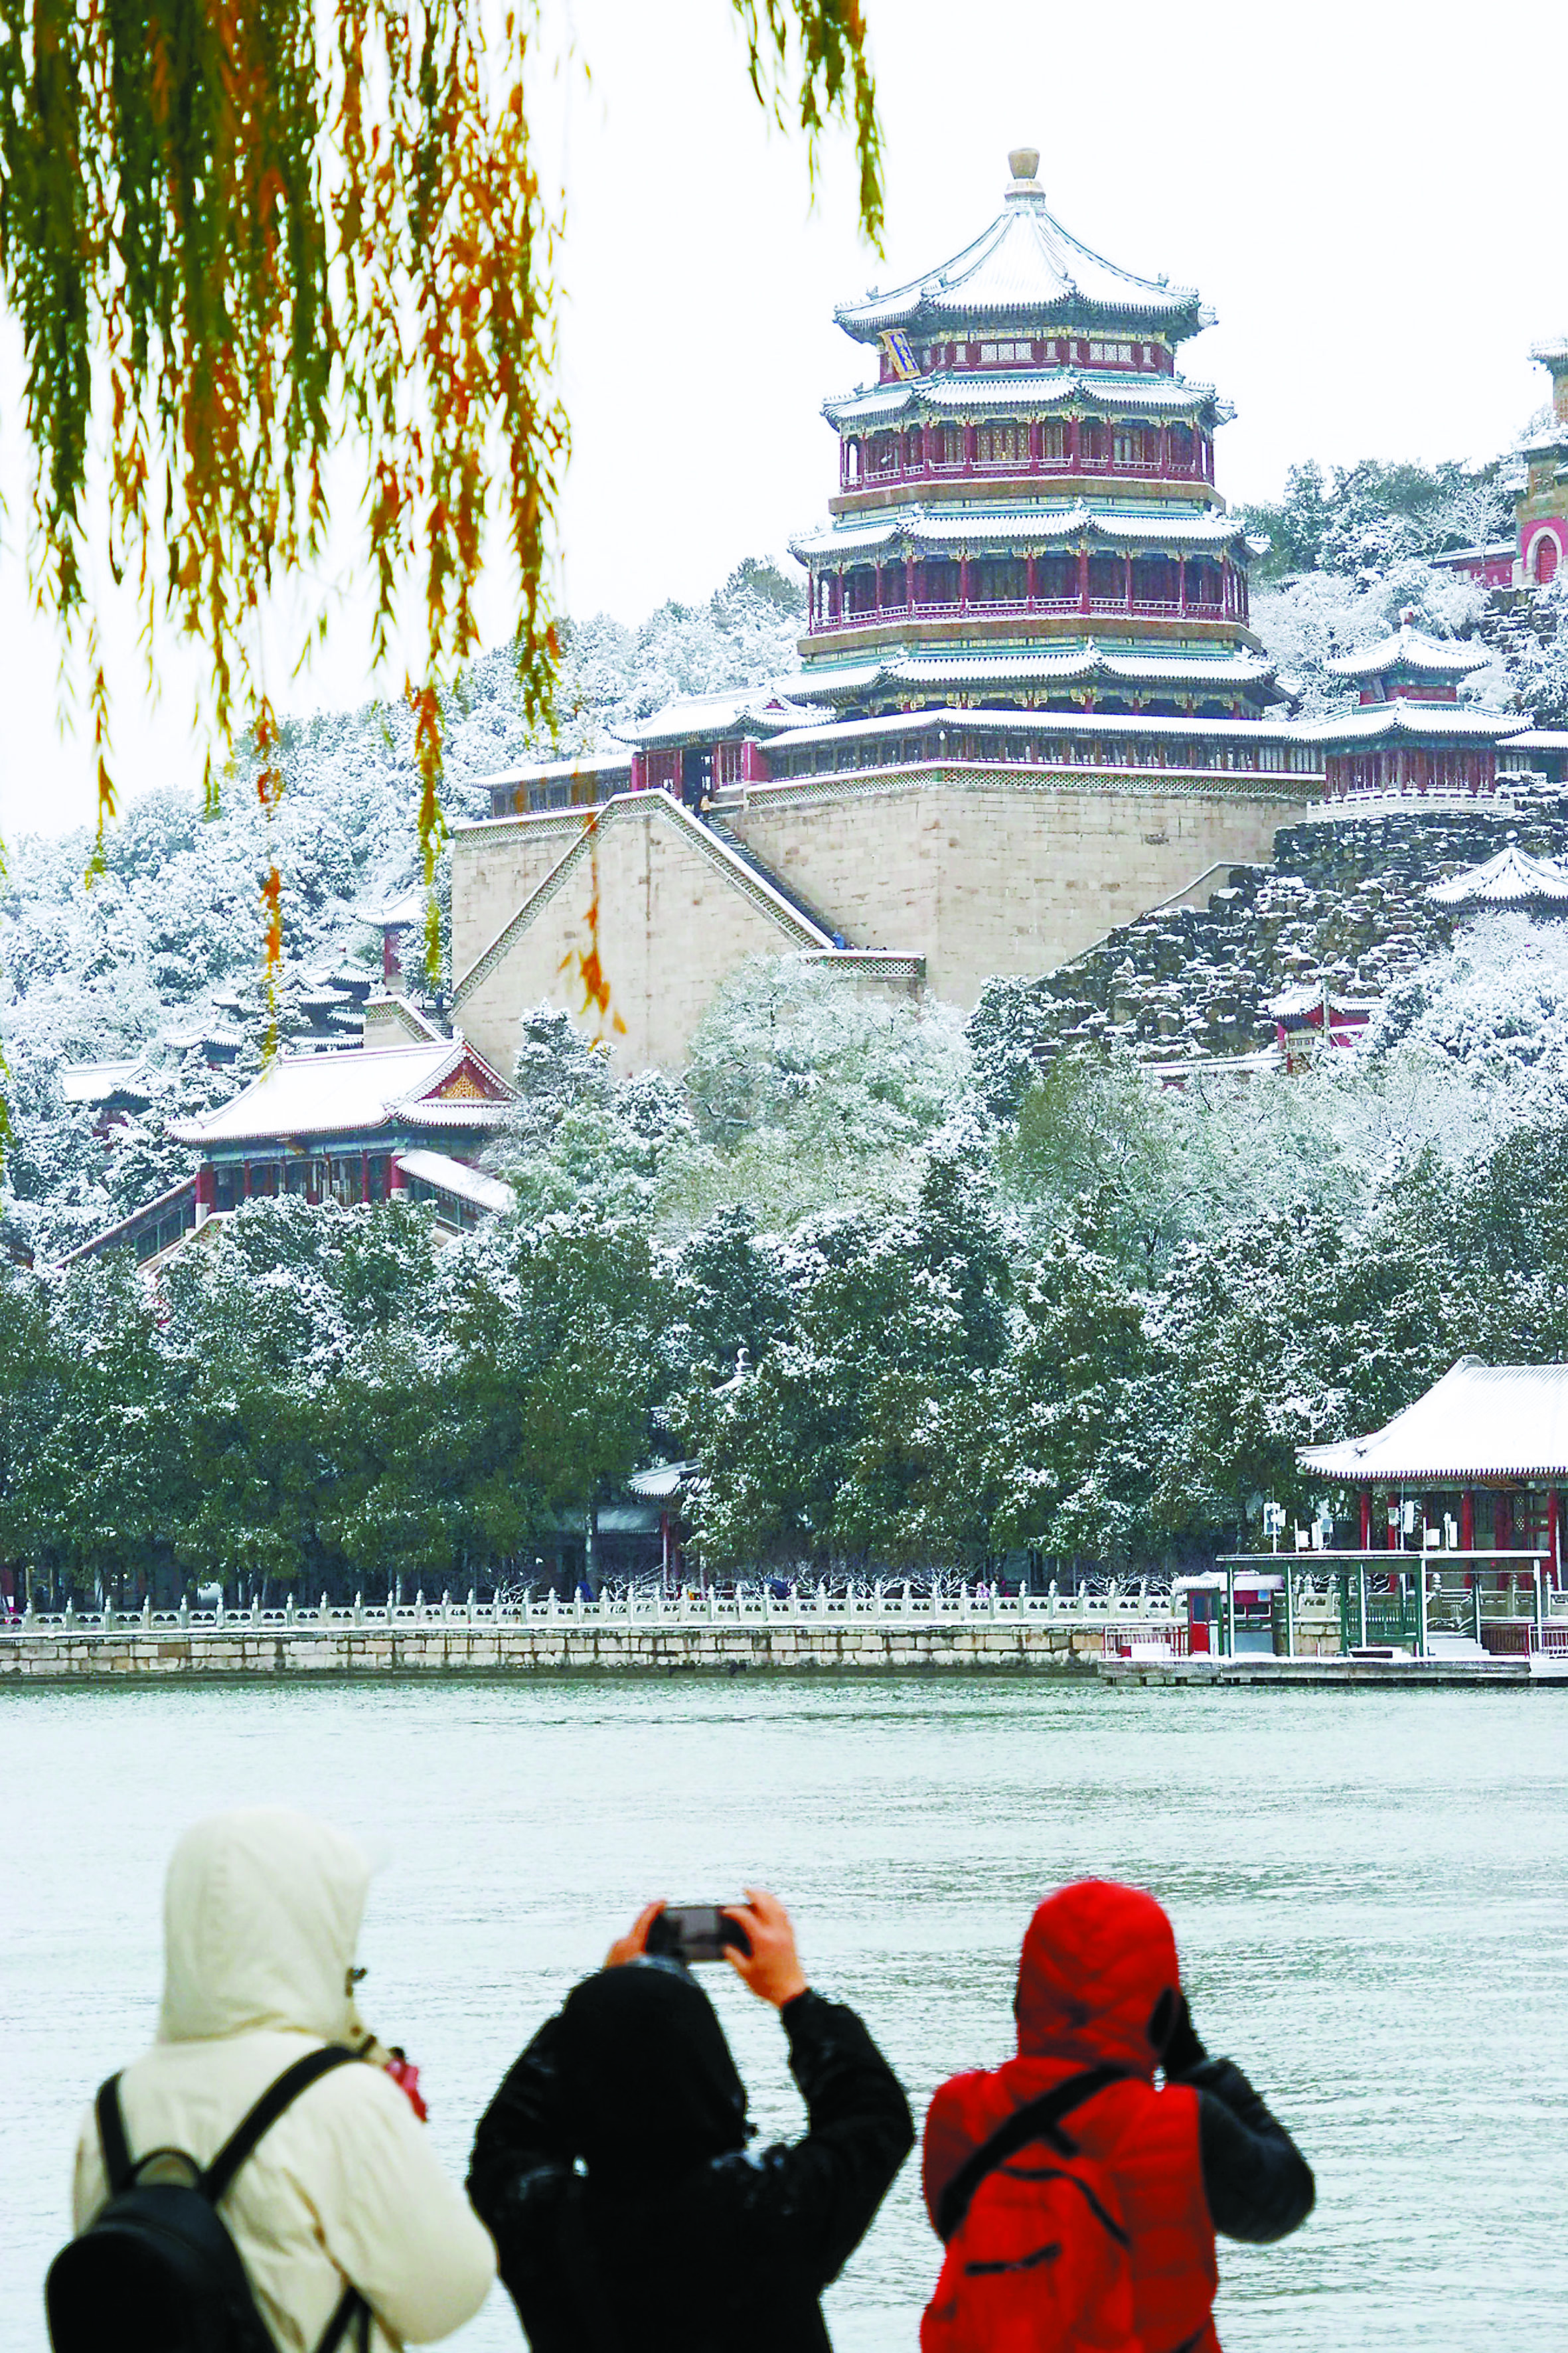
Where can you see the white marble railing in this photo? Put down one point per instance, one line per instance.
(799, 1606)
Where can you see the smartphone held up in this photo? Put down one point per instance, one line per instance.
(695, 1932)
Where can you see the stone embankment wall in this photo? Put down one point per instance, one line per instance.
(559, 1647)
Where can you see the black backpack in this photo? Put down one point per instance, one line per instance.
(155, 2270)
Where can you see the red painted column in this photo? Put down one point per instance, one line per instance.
(1127, 582)
(1036, 450)
(1164, 458)
(1392, 1522)
(1083, 579)
(963, 582)
(396, 1182)
(969, 446)
(1075, 442)
(1502, 1521)
(1553, 1531)
(1365, 1518)
(207, 1189)
(879, 572)
(639, 770)
(754, 761)
(1029, 578)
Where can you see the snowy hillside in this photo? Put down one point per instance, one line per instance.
(166, 945)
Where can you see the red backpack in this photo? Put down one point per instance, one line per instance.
(1038, 2256)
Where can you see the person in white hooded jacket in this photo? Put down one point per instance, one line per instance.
(261, 1917)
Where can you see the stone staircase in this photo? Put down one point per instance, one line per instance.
(760, 866)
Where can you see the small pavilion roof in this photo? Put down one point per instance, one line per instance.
(1414, 722)
(1025, 265)
(1124, 391)
(1406, 647)
(357, 1090)
(1512, 879)
(1036, 520)
(1480, 1421)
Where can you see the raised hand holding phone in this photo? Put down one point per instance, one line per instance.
(772, 1968)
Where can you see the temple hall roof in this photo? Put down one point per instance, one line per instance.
(1406, 647)
(1512, 879)
(1024, 265)
(1480, 1421)
(356, 1090)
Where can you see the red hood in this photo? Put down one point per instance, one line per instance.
(1097, 1957)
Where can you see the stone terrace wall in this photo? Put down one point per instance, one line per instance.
(557, 1648)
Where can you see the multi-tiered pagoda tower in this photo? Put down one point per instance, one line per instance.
(1029, 706)
(1026, 515)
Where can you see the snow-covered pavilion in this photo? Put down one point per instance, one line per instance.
(1484, 1455)
(1512, 879)
(1409, 732)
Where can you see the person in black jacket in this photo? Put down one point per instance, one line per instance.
(612, 2168)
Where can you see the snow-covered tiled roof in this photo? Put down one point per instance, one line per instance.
(96, 1082)
(1129, 393)
(898, 723)
(760, 708)
(1512, 879)
(664, 1480)
(1407, 648)
(455, 1176)
(1417, 721)
(1480, 1421)
(587, 764)
(1036, 520)
(354, 1094)
(1225, 668)
(1025, 266)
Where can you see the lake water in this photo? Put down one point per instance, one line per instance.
(1370, 1891)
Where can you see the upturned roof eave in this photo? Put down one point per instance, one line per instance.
(1071, 282)
(1340, 1463)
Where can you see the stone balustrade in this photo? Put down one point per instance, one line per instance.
(896, 1629)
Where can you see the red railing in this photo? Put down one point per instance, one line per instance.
(1142, 607)
(945, 469)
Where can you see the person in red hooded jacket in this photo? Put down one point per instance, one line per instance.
(1122, 2183)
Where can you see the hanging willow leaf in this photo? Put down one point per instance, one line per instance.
(243, 236)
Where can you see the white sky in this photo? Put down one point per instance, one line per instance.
(1369, 196)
